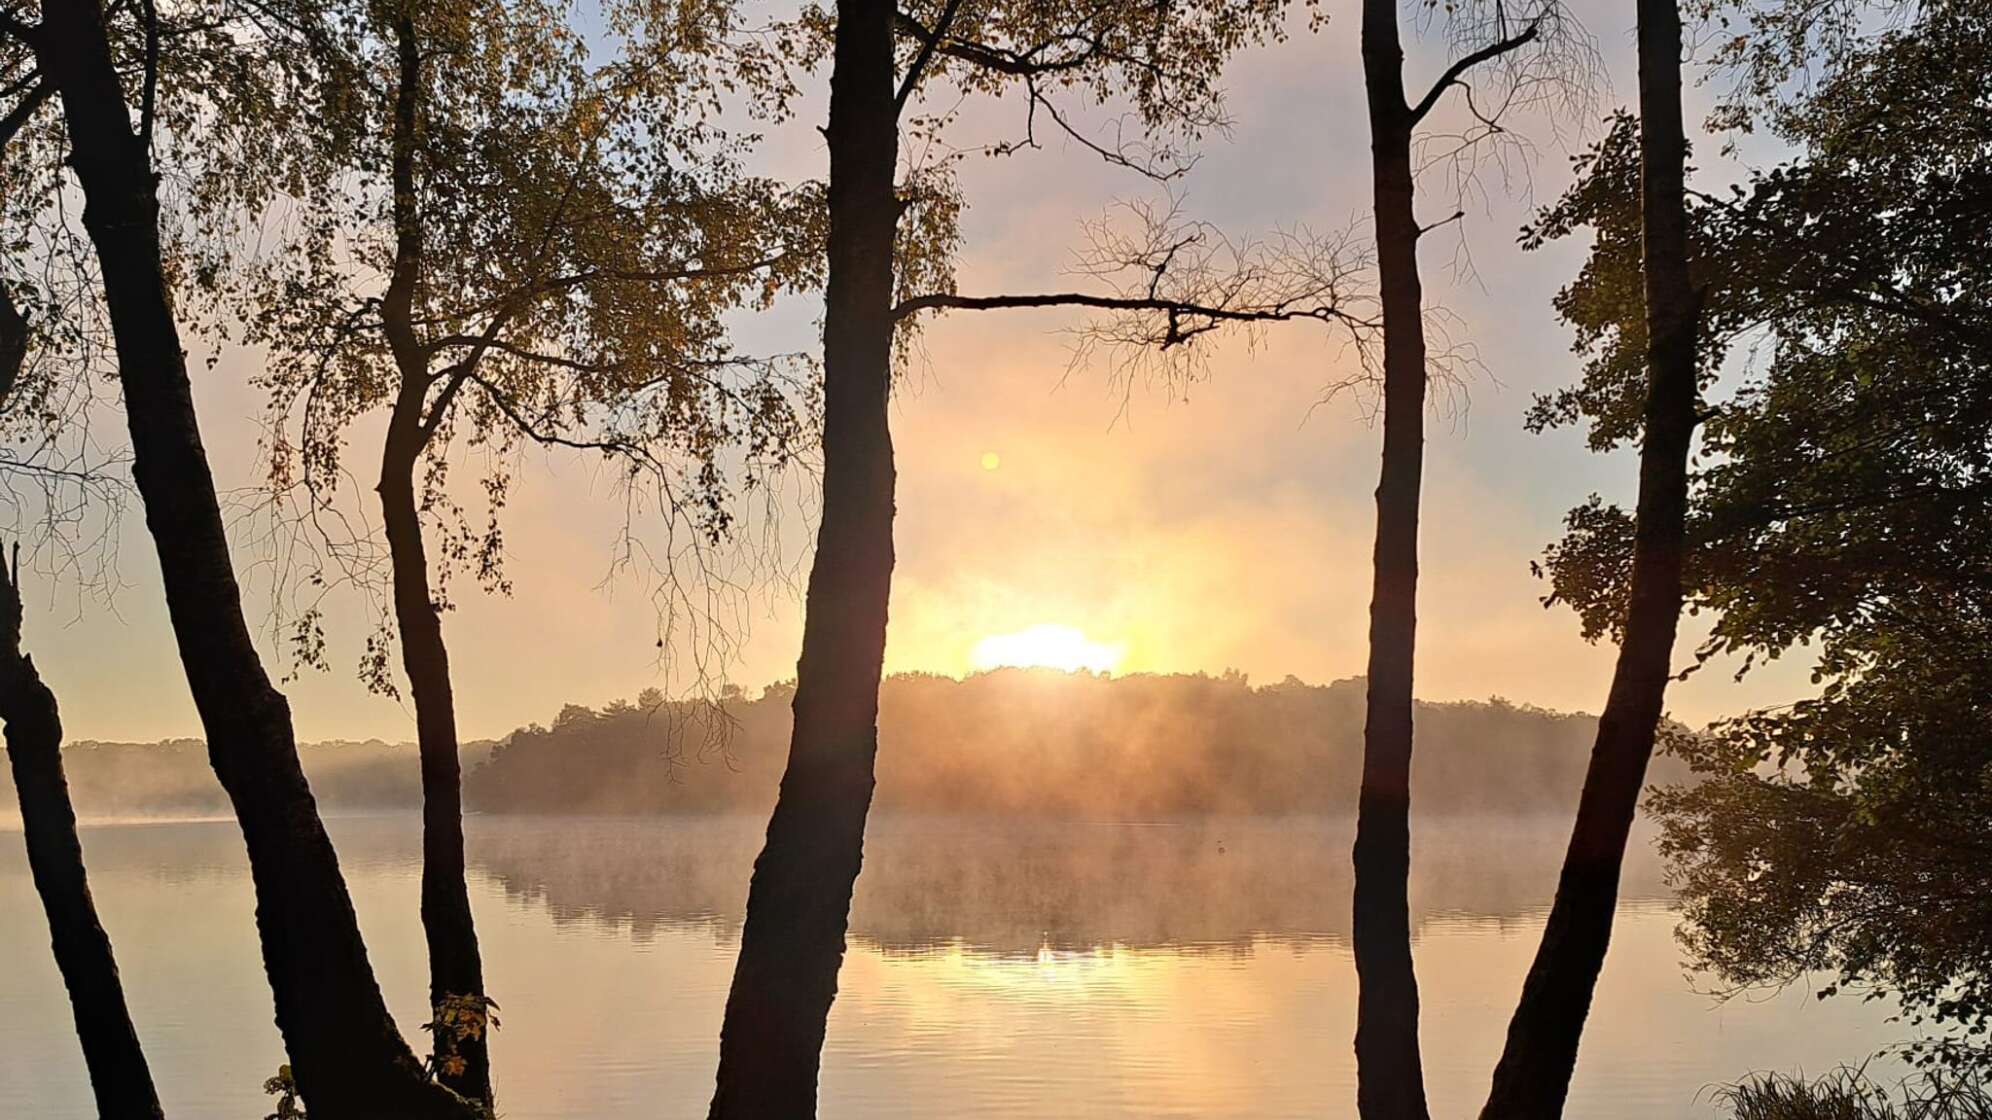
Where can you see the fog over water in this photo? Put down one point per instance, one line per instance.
(1000, 968)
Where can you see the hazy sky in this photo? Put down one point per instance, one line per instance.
(1228, 527)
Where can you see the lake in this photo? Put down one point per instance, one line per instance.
(998, 969)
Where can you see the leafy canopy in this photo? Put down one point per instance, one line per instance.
(1843, 501)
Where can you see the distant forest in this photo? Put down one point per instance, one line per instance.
(1009, 741)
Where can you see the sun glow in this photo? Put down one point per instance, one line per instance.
(1048, 646)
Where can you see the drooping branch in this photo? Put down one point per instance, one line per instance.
(1162, 167)
(533, 430)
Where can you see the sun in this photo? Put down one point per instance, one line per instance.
(1047, 646)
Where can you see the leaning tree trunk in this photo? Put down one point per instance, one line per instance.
(460, 1016)
(460, 1011)
(1390, 1082)
(799, 902)
(118, 1074)
(349, 1059)
(1534, 1074)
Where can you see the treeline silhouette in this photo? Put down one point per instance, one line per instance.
(1046, 742)
(1012, 741)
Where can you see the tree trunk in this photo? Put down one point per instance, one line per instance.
(118, 1074)
(799, 902)
(456, 969)
(348, 1058)
(13, 344)
(1390, 1082)
(1534, 1074)
(459, 1011)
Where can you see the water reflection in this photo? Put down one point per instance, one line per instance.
(1013, 887)
(999, 970)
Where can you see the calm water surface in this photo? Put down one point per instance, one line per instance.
(997, 970)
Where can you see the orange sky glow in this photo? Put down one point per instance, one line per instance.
(1048, 512)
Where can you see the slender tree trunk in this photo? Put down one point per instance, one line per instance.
(459, 1013)
(348, 1058)
(13, 344)
(799, 903)
(118, 1074)
(1534, 1074)
(456, 969)
(1390, 1083)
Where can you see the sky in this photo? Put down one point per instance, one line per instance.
(1222, 525)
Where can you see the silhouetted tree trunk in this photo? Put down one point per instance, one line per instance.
(118, 1074)
(348, 1058)
(13, 344)
(456, 967)
(1534, 1074)
(1390, 1082)
(799, 902)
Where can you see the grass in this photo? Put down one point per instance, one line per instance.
(1849, 1094)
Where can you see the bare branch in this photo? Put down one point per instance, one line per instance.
(1454, 72)
(1174, 308)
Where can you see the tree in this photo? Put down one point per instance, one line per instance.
(1390, 1078)
(1845, 503)
(119, 1075)
(350, 1059)
(549, 264)
(1533, 1076)
(887, 264)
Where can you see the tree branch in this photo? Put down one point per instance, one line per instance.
(23, 111)
(505, 405)
(148, 100)
(929, 43)
(454, 377)
(14, 28)
(1456, 70)
(1021, 65)
(660, 276)
(1176, 310)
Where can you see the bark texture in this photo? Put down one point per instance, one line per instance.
(1390, 1083)
(119, 1076)
(1533, 1077)
(459, 1010)
(347, 1056)
(799, 903)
